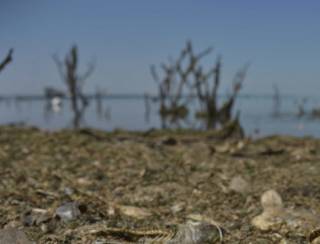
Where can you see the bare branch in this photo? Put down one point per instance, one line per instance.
(204, 53)
(68, 70)
(239, 78)
(6, 60)
(154, 74)
(90, 70)
(60, 66)
(217, 74)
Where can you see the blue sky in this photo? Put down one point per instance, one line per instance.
(280, 39)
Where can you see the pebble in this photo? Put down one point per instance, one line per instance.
(134, 212)
(68, 211)
(239, 185)
(271, 200)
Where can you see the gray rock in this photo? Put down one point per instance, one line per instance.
(68, 211)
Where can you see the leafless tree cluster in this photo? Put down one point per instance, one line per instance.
(185, 77)
(207, 86)
(177, 79)
(68, 69)
(6, 60)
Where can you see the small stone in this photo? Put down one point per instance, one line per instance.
(97, 164)
(68, 191)
(111, 210)
(84, 181)
(13, 236)
(135, 212)
(271, 200)
(68, 211)
(44, 228)
(273, 212)
(238, 184)
(48, 227)
(177, 207)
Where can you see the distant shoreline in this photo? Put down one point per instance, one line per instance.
(151, 96)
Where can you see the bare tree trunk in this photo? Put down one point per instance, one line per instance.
(69, 73)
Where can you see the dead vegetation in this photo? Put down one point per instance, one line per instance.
(174, 84)
(207, 86)
(186, 78)
(69, 72)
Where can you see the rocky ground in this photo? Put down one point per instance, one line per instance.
(89, 186)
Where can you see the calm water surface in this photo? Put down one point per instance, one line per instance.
(256, 115)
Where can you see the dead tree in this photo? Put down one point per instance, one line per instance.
(207, 86)
(176, 81)
(68, 70)
(6, 60)
(225, 111)
(186, 74)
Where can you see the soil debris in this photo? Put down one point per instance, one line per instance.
(122, 187)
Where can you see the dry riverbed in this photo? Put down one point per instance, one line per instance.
(89, 186)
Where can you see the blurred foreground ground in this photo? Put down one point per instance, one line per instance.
(90, 186)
